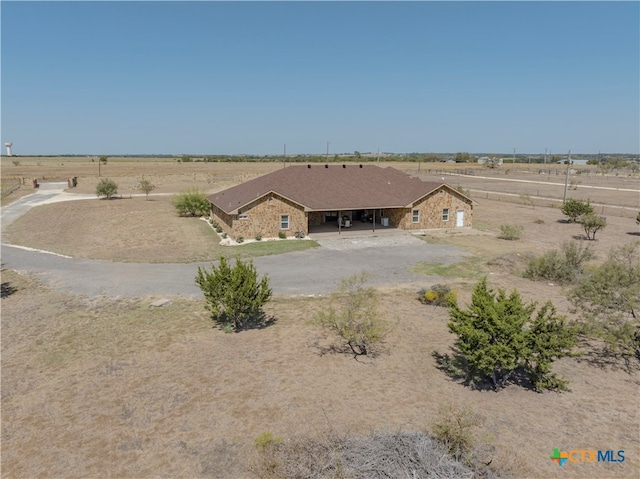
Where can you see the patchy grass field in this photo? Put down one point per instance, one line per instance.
(130, 230)
(94, 388)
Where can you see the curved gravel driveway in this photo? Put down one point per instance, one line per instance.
(311, 272)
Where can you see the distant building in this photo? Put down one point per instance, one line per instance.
(483, 160)
(573, 162)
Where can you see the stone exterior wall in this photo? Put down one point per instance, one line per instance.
(431, 208)
(316, 218)
(396, 216)
(262, 217)
(223, 219)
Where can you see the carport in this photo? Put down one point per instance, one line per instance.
(347, 220)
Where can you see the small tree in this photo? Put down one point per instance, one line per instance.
(107, 188)
(608, 298)
(191, 203)
(496, 336)
(592, 224)
(356, 318)
(234, 295)
(147, 187)
(574, 209)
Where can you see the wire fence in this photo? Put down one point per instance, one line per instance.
(550, 202)
(9, 186)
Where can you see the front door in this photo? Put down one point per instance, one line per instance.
(460, 219)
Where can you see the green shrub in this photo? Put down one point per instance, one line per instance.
(218, 229)
(282, 235)
(240, 239)
(107, 188)
(608, 298)
(234, 295)
(497, 336)
(191, 203)
(258, 237)
(562, 266)
(224, 235)
(510, 232)
(438, 295)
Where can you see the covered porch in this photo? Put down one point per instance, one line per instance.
(352, 222)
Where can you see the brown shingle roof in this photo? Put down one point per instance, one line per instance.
(336, 187)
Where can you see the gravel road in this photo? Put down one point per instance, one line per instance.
(311, 272)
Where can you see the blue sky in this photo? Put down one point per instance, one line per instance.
(247, 77)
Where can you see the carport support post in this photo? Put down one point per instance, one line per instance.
(339, 220)
(374, 220)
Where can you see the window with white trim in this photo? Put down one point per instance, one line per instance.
(243, 217)
(445, 214)
(416, 216)
(284, 222)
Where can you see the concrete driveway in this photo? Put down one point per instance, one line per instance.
(311, 272)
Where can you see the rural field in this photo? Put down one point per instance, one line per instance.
(114, 387)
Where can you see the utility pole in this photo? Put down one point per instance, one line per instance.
(378, 157)
(513, 160)
(545, 156)
(566, 179)
(327, 152)
(284, 160)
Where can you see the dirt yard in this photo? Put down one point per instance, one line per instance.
(93, 388)
(118, 388)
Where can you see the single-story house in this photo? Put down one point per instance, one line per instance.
(299, 199)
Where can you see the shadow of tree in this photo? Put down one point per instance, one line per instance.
(603, 358)
(7, 290)
(455, 366)
(344, 349)
(633, 233)
(581, 237)
(256, 321)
